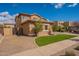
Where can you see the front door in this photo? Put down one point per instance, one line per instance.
(21, 31)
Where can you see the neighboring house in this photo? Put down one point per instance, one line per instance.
(74, 27)
(62, 23)
(71, 26)
(73, 23)
(59, 23)
(25, 24)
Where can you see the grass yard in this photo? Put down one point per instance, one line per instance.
(44, 40)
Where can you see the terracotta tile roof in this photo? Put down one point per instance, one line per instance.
(24, 14)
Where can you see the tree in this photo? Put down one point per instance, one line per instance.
(66, 26)
(38, 27)
(56, 28)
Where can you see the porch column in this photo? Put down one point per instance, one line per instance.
(31, 26)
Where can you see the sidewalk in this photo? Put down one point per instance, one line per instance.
(50, 49)
(66, 33)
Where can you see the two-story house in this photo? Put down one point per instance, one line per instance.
(25, 24)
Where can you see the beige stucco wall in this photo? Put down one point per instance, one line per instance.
(73, 23)
(18, 21)
(35, 18)
(60, 23)
(49, 26)
(45, 32)
(8, 30)
(25, 28)
(31, 26)
(28, 26)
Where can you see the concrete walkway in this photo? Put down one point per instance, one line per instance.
(50, 49)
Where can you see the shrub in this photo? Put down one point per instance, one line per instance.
(56, 28)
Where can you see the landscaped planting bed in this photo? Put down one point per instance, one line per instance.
(44, 40)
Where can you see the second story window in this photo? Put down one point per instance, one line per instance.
(24, 18)
(35, 19)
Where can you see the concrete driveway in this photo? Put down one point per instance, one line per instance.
(15, 44)
(54, 49)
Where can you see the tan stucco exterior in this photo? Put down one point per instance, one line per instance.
(62, 23)
(73, 23)
(29, 23)
(59, 23)
(8, 29)
(25, 28)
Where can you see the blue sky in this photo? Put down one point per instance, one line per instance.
(50, 11)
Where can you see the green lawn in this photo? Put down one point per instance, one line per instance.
(44, 40)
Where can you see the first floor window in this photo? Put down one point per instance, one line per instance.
(46, 27)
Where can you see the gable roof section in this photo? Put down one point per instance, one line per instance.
(24, 14)
(39, 16)
(30, 16)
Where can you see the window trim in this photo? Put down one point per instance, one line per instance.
(44, 27)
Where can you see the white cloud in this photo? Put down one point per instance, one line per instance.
(5, 17)
(59, 5)
(4, 13)
(72, 5)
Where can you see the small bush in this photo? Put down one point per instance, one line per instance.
(77, 48)
(69, 53)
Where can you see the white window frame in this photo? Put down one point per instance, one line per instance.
(44, 27)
